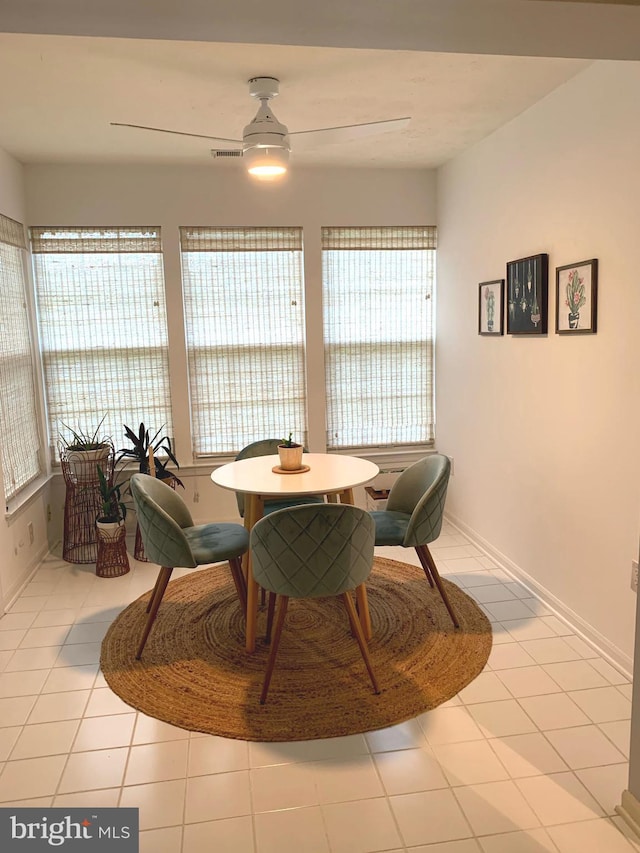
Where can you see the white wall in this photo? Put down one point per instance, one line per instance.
(544, 431)
(221, 194)
(12, 199)
(18, 557)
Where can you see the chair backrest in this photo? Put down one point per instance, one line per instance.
(264, 447)
(314, 550)
(162, 515)
(420, 492)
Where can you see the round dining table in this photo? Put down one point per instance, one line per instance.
(329, 474)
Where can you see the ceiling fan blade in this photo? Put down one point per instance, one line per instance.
(176, 132)
(307, 139)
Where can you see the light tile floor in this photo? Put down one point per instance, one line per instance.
(529, 758)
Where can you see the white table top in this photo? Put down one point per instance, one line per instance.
(328, 473)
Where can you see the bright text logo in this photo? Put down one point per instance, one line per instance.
(72, 830)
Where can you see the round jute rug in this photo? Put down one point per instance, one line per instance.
(195, 673)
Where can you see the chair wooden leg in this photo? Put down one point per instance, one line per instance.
(252, 611)
(161, 585)
(282, 612)
(425, 566)
(153, 594)
(425, 557)
(270, 611)
(357, 630)
(239, 581)
(362, 606)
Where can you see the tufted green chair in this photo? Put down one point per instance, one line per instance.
(171, 539)
(269, 447)
(313, 551)
(413, 516)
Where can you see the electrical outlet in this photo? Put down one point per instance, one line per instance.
(48, 512)
(30, 529)
(634, 575)
(196, 497)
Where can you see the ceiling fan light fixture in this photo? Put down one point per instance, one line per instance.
(265, 143)
(266, 163)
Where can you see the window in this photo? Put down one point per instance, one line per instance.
(378, 332)
(243, 297)
(103, 328)
(18, 414)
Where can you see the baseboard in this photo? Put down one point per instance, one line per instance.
(616, 657)
(629, 809)
(32, 568)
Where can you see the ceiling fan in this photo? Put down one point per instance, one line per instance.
(265, 144)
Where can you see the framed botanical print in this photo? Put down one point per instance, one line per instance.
(576, 298)
(527, 295)
(490, 307)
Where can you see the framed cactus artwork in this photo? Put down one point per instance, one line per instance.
(490, 307)
(577, 298)
(527, 293)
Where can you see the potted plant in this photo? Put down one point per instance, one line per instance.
(141, 442)
(111, 560)
(113, 509)
(85, 451)
(290, 453)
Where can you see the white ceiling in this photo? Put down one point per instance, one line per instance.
(63, 91)
(460, 68)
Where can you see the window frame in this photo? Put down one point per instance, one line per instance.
(119, 241)
(12, 233)
(245, 240)
(382, 239)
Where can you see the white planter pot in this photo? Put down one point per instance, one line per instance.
(83, 464)
(290, 457)
(109, 531)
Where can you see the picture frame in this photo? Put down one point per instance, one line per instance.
(491, 307)
(527, 295)
(577, 298)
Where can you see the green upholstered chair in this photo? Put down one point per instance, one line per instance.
(413, 516)
(312, 552)
(171, 539)
(269, 447)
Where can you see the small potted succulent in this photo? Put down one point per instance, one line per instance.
(290, 453)
(84, 451)
(113, 509)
